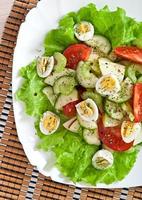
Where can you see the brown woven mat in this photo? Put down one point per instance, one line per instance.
(18, 179)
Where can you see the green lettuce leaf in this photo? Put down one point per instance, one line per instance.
(51, 141)
(138, 35)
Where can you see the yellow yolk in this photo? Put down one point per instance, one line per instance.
(43, 64)
(86, 109)
(108, 83)
(83, 28)
(128, 128)
(49, 123)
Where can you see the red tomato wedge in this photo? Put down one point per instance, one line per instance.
(130, 53)
(111, 137)
(69, 109)
(137, 102)
(75, 53)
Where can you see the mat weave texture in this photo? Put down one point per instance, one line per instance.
(18, 178)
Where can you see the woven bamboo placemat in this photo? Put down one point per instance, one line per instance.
(18, 179)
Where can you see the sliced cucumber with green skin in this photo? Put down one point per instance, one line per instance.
(95, 96)
(87, 124)
(60, 61)
(100, 42)
(114, 110)
(48, 91)
(137, 67)
(128, 109)
(110, 122)
(62, 100)
(50, 80)
(96, 68)
(93, 60)
(91, 136)
(131, 73)
(84, 75)
(72, 125)
(64, 85)
(124, 94)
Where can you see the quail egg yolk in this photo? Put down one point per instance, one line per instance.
(102, 162)
(108, 83)
(43, 63)
(86, 109)
(128, 129)
(83, 28)
(49, 123)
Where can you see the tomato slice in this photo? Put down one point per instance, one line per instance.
(75, 53)
(130, 53)
(111, 137)
(137, 102)
(69, 109)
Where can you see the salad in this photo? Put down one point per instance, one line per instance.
(85, 94)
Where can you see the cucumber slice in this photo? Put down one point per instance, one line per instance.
(60, 61)
(64, 85)
(108, 67)
(131, 73)
(50, 80)
(62, 100)
(95, 96)
(125, 93)
(84, 75)
(100, 42)
(96, 68)
(87, 124)
(110, 122)
(128, 109)
(137, 67)
(93, 60)
(72, 125)
(114, 110)
(91, 136)
(48, 91)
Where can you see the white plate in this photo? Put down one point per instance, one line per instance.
(29, 45)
